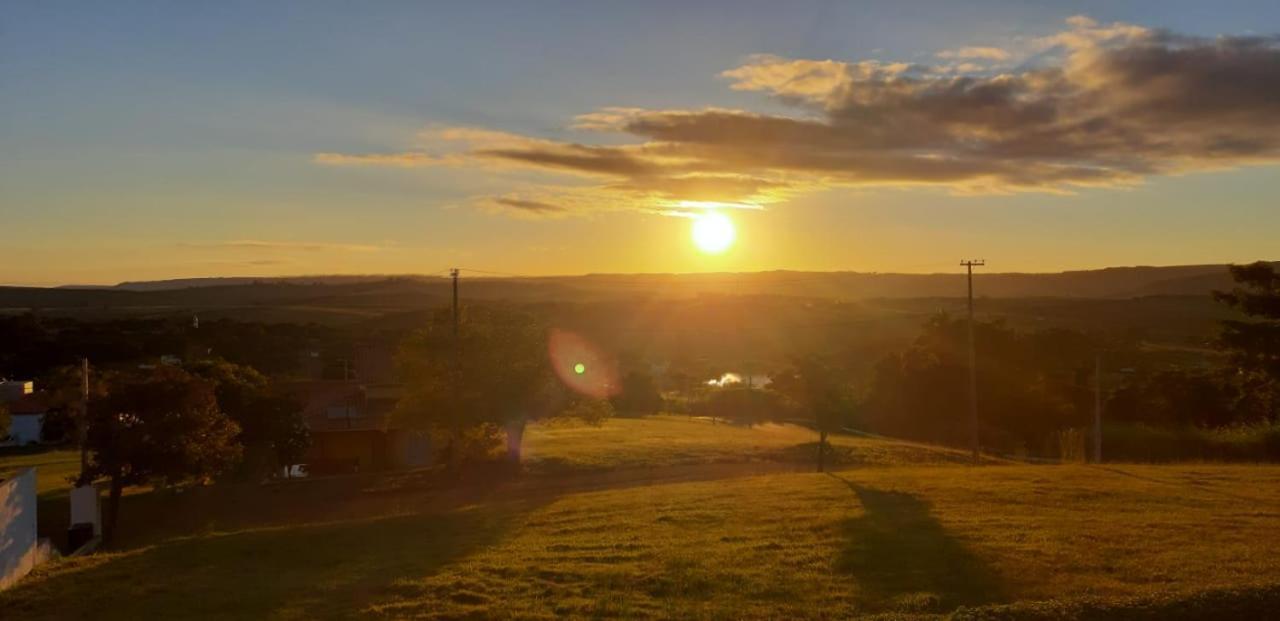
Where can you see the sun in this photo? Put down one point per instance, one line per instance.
(713, 232)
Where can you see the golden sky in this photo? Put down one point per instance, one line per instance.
(842, 140)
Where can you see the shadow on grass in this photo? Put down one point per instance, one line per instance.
(904, 559)
(318, 571)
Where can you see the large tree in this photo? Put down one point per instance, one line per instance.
(1254, 345)
(162, 425)
(494, 371)
(819, 389)
(272, 429)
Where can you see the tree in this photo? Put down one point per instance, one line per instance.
(817, 387)
(1254, 346)
(639, 395)
(164, 425)
(5, 421)
(272, 429)
(745, 405)
(495, 371)
(590, 411)
(1176, 398)
(1030, 385)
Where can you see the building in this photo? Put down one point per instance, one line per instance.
(27, 411)
(12, 390)
(351, 428)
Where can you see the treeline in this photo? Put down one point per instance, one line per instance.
(33, 346)
(1036, 389)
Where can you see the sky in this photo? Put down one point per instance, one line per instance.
(150, 140)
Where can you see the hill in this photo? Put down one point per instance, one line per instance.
(1112, 282)
(646, 539)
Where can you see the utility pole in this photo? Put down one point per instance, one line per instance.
(973, 364)
(82, 428)
(453, 273)
(1097, 409)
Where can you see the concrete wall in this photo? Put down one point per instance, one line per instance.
(20, 551)
(25, 429)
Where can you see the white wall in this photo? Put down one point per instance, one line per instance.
(25, 428)
(20, 552)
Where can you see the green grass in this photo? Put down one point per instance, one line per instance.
(689, 538)
(678, 440)
(54, 469)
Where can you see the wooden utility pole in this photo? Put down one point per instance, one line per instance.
(82, 429)
(453, 273)
(1097, 409)
(973, 365)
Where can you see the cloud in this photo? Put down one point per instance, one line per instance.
(401, 160)
(1095, 105)
(976, 53)
(282, 246)
(530, 206)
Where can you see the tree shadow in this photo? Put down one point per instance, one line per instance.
(317, 571)
(903, 558)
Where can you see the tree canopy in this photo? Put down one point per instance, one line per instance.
(160, 425)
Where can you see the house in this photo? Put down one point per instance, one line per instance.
(12, 390)
(351, 428)
(27, 410)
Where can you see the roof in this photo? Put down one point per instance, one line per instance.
(28, 404)
(343, 405)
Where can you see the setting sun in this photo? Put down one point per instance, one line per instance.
(713, 233)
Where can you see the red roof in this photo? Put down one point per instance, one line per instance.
(338, 405)
(28, 404)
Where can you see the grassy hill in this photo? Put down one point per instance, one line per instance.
(671, 518)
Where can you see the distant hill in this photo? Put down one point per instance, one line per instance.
(343, 298)
(191, 283)
(1101, 283)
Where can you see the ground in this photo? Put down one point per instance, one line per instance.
(694, 534)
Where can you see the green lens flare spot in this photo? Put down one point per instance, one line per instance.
(579, 368)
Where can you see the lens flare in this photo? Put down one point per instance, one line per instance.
(581, 365)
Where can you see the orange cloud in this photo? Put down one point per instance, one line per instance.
(1093, 105)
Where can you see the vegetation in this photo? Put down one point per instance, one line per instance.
(664, 441)
(492, 371)
(638, 395)
(1031, 385)
(914, 542)
(165, 426)
(624, 513)
(1128, 442)
(54, 469)
(273, 434)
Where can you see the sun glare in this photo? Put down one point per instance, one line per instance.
(713, 232)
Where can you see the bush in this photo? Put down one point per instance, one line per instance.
(1145, 443)
(590, 411)
(638, 397)
(743, 405)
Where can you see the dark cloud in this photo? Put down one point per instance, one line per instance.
(531, 206)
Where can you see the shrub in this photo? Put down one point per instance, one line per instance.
(1145, 443)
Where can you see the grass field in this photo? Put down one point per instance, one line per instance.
(54, 469)
(678, 440)
(690, 536)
